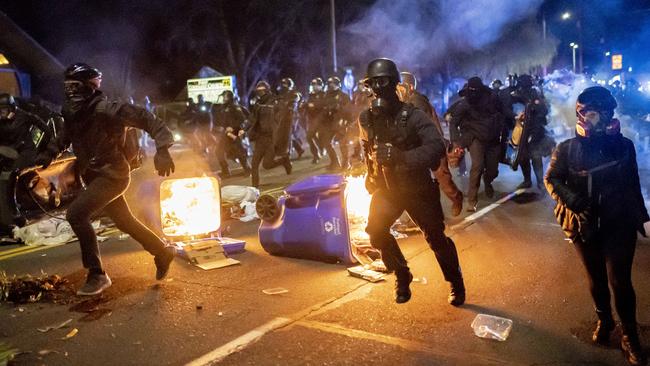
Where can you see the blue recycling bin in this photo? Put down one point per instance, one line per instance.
(309, 221)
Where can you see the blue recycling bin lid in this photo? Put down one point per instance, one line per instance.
(315, 184)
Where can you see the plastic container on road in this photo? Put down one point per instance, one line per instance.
(492, 327)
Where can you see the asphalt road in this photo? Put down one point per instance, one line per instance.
(515, 261)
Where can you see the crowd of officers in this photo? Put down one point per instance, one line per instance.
(279, 125)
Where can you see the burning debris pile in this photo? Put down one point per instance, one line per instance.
(29, 289)
(190, 207)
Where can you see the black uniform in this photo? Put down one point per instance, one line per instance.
(337, 118)
(96, 132)
(263, 128)
(286, 109)
(407, 186)
(230, 120)
(26, 133)
(314, 108)
(476, 125)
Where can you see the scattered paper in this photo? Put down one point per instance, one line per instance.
(275, 291)
(53, 327)
(71, 334)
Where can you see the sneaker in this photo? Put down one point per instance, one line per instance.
(163, 261)
(95, 284)
(472, 206)
(457, 294)
(315, 160)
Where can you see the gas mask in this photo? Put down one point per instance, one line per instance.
(473, 96)
(592, 122)
(77, 91)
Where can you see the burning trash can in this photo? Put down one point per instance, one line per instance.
(190, 212)
(320, 218)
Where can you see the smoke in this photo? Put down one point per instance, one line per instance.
(418, 33)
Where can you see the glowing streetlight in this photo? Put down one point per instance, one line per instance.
(566, 15)
(607, 54)
(574, 46)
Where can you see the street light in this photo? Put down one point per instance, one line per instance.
(574, 46)
(607, 54)
(566, 15)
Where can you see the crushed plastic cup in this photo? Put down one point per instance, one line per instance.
(492, 327)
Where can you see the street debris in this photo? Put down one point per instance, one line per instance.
(6, 353)
(491, 327)
(422, 280)
(241, 202)
(275, 291)
(54, 231)
(55, 326)
(45, 352)
(199, 307)
(29, 289)
(71, 334)
(366, 274)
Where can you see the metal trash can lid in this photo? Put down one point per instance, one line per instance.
(315, 184)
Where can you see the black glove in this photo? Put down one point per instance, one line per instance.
(43, 159)
(387, 154)
(163, 163)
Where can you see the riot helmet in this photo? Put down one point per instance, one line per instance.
(525, 81)
(7, 107)
(316, 86)
(80, 81)
(473, 90)
(595, 111)
(287, 84)
(333, 83)
(382, 77)
(496, 84)
(227, 97)
(262, 88)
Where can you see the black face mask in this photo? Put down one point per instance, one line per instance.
(473, 97)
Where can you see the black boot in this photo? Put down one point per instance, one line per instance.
(402, 282)
(457, 293)
(286, 162)
(604, 327)
(631, 346)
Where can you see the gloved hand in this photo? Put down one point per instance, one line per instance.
(387, 154)
(43, 159)
(163, 163)
(646, 228)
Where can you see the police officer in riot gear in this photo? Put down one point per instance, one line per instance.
(288, 100)
(230, 120)
(264, 125)
(402, 145)
(24, 134)
(96, 128)
(594, 179)
(496, 85)
(442, 174)
(336, 120)
(314, 112)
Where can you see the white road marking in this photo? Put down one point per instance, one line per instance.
(482, 212)
(239, 343)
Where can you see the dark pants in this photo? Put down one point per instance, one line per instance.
(327, 136)
(425, 210)
(538, 168)
(608, 259)
(313, 141)
(446, 182)
(485, 163)
(107, 195)
(235, 150)
(264, 153)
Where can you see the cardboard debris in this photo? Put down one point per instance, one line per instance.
(55, 326)
(366, 274)
(207, 255)
(275, 291)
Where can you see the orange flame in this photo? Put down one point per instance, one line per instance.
(190, 206)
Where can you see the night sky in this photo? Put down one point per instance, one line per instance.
(152, 47)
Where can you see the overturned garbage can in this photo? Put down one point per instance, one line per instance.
(309, 221)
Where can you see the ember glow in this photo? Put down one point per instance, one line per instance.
(357, 201)
(190, 207)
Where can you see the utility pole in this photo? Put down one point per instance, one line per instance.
(333, 19)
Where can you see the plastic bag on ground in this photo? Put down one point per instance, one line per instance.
(239, 194)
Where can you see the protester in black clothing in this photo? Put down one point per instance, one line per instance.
(96, 129)
(476, 124)
(263, 128)
(535, 144)
(594, 179)
(401, 146)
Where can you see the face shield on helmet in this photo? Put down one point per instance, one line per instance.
(333, 84)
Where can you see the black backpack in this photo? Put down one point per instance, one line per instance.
(130, 145)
